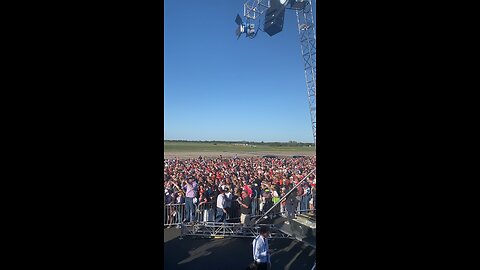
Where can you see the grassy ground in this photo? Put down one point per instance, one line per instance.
(210, 149)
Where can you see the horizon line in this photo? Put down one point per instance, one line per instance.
(244, 141)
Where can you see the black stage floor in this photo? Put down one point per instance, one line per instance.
(231, 254)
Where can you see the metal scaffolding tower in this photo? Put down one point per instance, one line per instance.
(308, 44)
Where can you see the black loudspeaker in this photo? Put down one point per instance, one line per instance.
(274, 20)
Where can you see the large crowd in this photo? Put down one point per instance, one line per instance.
(236, 186)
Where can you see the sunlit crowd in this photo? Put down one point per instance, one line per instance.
(236, 187)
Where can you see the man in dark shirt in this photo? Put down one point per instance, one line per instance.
(291, 205)
(257, 188)
(245, 207)
(268, 200)
(278, 188)
(256, 195)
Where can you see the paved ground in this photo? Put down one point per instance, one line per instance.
(231, 254)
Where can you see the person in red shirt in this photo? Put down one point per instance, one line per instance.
(248, 189)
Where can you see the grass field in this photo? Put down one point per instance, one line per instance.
(195, 149)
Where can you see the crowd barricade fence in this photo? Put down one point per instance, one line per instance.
(174, 214)
(205, 212)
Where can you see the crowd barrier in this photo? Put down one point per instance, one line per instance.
(174, 214)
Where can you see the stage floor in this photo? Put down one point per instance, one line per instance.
(231, 254)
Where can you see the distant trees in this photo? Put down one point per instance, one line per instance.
(289, 143)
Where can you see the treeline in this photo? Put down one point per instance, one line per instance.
(290, 143)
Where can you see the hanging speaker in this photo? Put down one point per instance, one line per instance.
(274, 18)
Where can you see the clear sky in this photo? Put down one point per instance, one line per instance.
(221, 88)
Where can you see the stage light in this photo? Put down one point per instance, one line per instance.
(248, 29)
(251, 30)
(240, 26)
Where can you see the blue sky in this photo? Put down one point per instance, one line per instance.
(219, 88)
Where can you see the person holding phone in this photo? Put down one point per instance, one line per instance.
(191, 192)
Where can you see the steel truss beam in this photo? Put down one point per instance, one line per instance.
(308, 44)
(253, 9)
(213, 229)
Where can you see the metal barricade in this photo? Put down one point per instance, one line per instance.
(313, 203)
(255, 207)
(174, 214)
(305, 204)
(199, 212)
(205, 211)
(234, 213)
(259, 206)
(276, 210)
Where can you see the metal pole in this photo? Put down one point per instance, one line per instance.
(283, 198)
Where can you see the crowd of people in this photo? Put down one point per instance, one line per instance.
(236, 187)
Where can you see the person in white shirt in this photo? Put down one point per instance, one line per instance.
(221, 212)
(261, 256)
